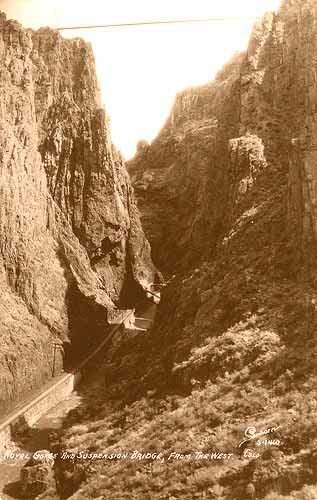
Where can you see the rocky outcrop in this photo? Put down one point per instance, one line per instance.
(37, 474)
(71, 243)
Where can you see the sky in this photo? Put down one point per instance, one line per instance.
(140, 69)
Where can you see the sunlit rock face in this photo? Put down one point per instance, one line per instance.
(71, 243)
(86, 177)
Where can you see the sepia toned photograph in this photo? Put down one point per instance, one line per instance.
(158, 250)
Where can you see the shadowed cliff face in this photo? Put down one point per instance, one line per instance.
(179, 179)
(70, 236)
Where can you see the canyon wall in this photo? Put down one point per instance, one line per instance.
(260, 107)
(243, 237)
(71, 243)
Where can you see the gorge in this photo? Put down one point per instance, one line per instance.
(227, 197)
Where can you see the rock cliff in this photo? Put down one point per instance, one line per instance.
(259, 109)
(71, 243)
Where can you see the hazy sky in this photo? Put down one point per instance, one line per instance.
(140, 69)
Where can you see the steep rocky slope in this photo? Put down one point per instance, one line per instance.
(71, 244)
(233, 353)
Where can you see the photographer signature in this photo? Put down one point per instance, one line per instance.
(251, 433)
